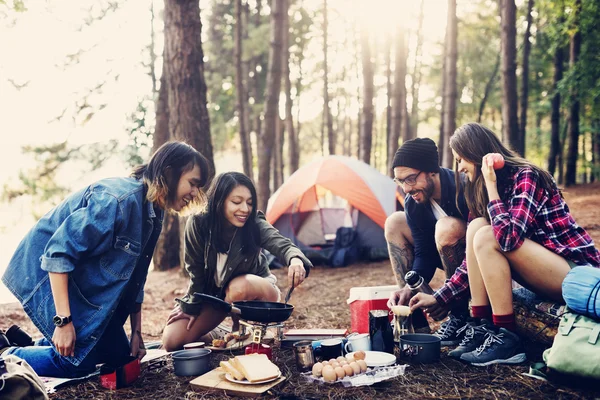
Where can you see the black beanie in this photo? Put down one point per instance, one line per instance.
(419, 153)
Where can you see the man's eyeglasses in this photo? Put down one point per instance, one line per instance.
(409, 180)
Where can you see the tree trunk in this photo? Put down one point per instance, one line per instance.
(398, 98)
(186, 92)
(525, 79)
(572, 152)
(450, 93)
(267, 133)
(241, 92)
(278, 155)
(292, 139)
(488, 88)
(555, 114)
(164, 257)
(416, 77)
(331, 140)
(366, 129)
(510, 121)
(389, 101)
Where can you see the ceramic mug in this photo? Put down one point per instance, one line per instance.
(358, 342)
(331, 348)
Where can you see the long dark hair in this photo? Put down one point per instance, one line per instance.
(215, 222)
(472, 141)
(162, 173)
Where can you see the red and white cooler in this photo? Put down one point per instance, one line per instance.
(364, 299)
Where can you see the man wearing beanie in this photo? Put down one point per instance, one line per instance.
(429, 234)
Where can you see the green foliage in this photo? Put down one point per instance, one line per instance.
(17, 5)
(141, 131)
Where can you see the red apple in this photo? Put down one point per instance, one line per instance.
(497, 160)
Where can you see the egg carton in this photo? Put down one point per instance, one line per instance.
(367, 378)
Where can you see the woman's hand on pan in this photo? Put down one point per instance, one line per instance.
(176, 314)
(296, 269)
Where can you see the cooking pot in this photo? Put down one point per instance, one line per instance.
(420, 348)
(251, 310)
(193, 362)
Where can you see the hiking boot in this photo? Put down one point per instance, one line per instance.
(475, 335)
(503, 347)
(448, 330)
(18, 337)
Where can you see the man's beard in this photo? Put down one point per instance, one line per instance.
(427, 191)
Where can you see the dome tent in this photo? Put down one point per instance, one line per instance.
(330, 193)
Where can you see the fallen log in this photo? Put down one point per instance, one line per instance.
(536, 320)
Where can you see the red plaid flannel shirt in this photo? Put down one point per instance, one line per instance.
(528, 211)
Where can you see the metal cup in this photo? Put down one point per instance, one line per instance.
(305, 357)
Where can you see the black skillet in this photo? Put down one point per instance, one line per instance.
(251, 310)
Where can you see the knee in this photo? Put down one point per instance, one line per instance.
(395, 224)
(484, 239)
(474, 226)
(170, 341)
(448, 231)
(237, 290)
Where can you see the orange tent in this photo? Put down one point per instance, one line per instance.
(329, 193)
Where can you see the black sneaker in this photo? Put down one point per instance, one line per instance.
(503, 347)
(448, 330)
(475, 334)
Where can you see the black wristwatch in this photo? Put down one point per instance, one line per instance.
(59, 320)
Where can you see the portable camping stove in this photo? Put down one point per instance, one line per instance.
(258, 330)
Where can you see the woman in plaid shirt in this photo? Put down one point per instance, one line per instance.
(520, 228)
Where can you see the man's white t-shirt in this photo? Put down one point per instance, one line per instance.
(438, 211)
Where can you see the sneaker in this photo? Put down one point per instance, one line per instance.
(503, 347)
(475, 335)
(448, 330)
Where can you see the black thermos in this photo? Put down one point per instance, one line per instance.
(380, 329)
(417, 284)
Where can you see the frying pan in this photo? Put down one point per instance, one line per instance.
(251, 310)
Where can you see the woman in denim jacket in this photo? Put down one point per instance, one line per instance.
(80, 272)
(223, 258)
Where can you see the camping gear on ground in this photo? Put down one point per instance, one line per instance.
(420, 348)
(345, 248)
(330, 348)
(116, 377)
(215, 380)
(380, 330)
(18, 337)
(252, 310)
(581, 291)
(305, 358)
(259, 348)
(576, 347)
(364, 299)
(192, 362)
(19, 381)
(417, 284)
(329, 193)
(362, 341)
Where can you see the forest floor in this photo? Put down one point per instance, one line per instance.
(321, 303)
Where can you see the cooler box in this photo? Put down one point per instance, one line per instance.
(364, 299)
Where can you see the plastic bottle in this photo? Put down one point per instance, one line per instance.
(416, 283)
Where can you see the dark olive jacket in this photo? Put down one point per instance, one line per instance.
(201, 259)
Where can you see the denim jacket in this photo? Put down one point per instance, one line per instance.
(421, 221)
(96, 235)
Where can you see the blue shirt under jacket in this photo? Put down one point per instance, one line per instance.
(421, 222)
(96, 235)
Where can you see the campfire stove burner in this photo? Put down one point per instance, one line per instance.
(258, 329)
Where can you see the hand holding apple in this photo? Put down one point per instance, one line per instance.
(497, 160)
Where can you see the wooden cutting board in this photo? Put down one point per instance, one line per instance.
(215, 380)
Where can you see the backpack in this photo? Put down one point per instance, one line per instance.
(345, 248)
(19, 381)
